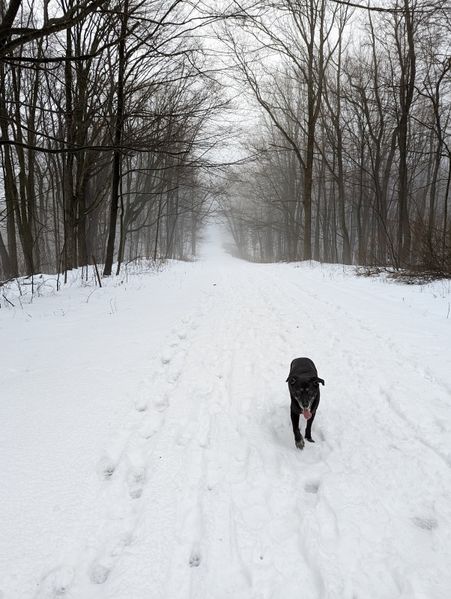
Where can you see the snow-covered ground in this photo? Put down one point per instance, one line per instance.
(147, 452)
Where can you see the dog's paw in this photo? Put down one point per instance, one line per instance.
(300, 443)
(310, 440)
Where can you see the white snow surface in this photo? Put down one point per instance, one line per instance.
(146, 444)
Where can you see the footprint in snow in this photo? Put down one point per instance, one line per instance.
(99, 573)
(136, 480)
(174, 376)
(320, 435)
(312, 486)
(55, 583)
(425, 523)
(151, 425)
(105, 467)
(102, 566)
(140, 404)
(161, 403)
(166, 357)
(142, 395)
(194, 559)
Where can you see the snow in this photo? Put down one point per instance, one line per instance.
(147, 450)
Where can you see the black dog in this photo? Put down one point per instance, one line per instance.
(303, 384)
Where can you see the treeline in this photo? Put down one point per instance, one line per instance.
(104, 112)
(353, 150)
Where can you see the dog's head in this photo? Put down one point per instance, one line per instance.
(304, 391)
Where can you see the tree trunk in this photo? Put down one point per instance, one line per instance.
(117, 156)
(406, 89)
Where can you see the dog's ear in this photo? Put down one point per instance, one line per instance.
(318, 380)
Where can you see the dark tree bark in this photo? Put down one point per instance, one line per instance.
(404, 34)
(118, 132)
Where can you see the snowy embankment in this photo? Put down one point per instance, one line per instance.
(147, 450)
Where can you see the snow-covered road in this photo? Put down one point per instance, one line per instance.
(147, 450)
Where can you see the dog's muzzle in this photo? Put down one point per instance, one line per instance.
(305, 408)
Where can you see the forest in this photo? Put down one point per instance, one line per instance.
(316, 129)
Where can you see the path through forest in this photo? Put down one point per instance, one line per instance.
(148, 452)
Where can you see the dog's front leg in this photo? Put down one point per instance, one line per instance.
(297, 433)
(308, 428)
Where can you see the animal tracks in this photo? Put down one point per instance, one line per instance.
(56, 583)
(99, 573)
(136, 480)
(130, 463)
(106, 467)
(123, 472)
(101, 567)
(202, 492)
(312, 486)
(194, 559)
(425, 523)
(139, 455)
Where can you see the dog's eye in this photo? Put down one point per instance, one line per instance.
(292, 381)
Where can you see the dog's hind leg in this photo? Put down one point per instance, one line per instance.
(297, 433)
(308, 428)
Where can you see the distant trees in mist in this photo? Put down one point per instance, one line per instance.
(353, 151)
(110, 113)
(103, 112)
